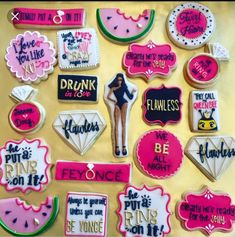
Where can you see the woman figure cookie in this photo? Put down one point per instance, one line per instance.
(119, 96)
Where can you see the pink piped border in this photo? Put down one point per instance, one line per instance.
(144, 13)
(48, 165)
(140, 189)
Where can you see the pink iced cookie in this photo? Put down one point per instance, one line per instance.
(31, 57)
(19, 218)
(159, 153)
(149, 60)
(207, 211)
(202, 70)
(144, 212)
(190, 25)
(24, 165)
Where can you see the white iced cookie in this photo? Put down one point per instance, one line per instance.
(120, 95)
(79, 128)
(78, 49)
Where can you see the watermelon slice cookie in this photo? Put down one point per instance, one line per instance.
(20, 219)
(119, 28)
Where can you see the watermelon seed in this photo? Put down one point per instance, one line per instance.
(146, 18)
(36, 221)
(139, 25)
(127, 31)
(26, 224)
(7, 212)
(44, 214)
(48, 206)
(109, 17)
(14, 221)
(115, 27)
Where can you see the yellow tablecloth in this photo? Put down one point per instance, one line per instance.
(188, 177)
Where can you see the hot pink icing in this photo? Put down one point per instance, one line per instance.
(100, 172)
(25, 116)
(123, 22)
(30, 56)
(207, 211)
(135, 204)
(18, 208)
(191, 23)
(159, 153)
(203, 68)
(149, 60)
(24, 154)
(44, 17)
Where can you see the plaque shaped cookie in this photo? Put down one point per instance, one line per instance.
(204, 111)
(20, 219)
(78, 49)
(190, 25)
(25, 165)
(79, 128)
(86, 214)
(120, 95)
(211, 154)
(207, 211)
(159, 153)
(149, 60)
(31, 57)
(144, 211)
(78, 88)
(162, 105)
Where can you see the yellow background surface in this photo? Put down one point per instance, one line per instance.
(189, 177)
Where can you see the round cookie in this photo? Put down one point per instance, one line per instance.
(31, 57)
(190, 25)
(202, 70)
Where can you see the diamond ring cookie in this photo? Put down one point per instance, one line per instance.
(79, 128)
(27, 116)
(159, 153)
(211, 154)
(122, 29)
(78, 49)
(190, 25)
(31, 57)
(202, 70)
(20, 219)
(207, 211)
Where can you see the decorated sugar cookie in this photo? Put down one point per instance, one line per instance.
(95, 172)
(78, 49)
(218, 51)
(162, 105)
(207, 211)
(78, 88)
(86, 214)
(159, 153)
(79, 128)
(27, 116)
(149, 60)
(31, 57)
(211, 154)
(48, 18)
(204, 111)
(20, 219)
(202, 70)
(190, 25)
(119, 28)
(25, 165)
(144, 211)
(120, 95)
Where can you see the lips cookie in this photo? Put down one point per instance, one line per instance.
(149, 60)
(31, 57)
(159, 153)
(27, 116)
(190, 25)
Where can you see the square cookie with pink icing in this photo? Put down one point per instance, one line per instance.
(78, 49)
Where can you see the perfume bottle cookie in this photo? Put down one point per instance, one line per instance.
(119, 96)
(122, 29)
(31, 57)
(27, 116)
(78, 49)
